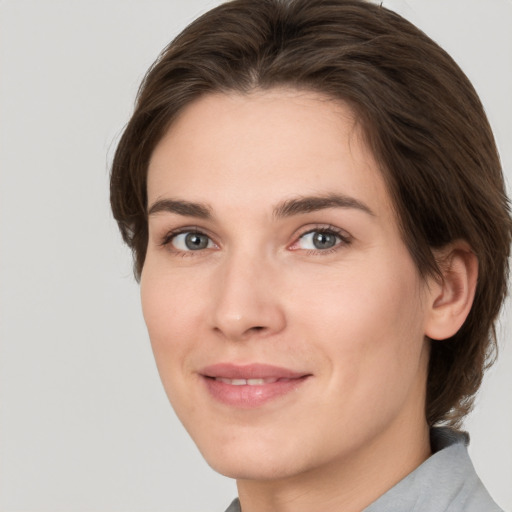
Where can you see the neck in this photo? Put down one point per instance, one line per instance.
(349, 483)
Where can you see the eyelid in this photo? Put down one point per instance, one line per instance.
(167, 238)
(344, 236)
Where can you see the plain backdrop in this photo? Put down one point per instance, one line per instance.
(85, 424)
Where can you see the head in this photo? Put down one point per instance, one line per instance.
(415, 110)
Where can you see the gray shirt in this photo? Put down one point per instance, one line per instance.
(445, 482)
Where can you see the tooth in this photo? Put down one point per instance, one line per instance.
(255, 382)
(233, 382)
(238, 382)
(249, 382)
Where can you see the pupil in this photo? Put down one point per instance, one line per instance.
(324, 241)
(194, 241)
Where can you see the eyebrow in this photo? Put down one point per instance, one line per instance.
(307, 204)
(185, 208)
(287, 208)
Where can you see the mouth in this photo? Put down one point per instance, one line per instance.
(245, 382)
(250, 386)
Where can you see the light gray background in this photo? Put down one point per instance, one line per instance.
(85, 424)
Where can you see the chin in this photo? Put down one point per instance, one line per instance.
(255, 459)
(239, 467)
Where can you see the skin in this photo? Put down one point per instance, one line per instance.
(353, 316)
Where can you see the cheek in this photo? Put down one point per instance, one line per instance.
(170, 298)
(368, 319)
(170, 326)
(171, 308)
(370, 335)
(365, 296)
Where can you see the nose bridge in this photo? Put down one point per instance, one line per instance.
(246, 300)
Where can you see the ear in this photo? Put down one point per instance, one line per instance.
(451, 297)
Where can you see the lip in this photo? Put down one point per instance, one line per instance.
(268, 383)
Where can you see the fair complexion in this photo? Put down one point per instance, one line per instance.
(287, 318)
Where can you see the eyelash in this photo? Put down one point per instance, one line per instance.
(344, 239)
(168, 238)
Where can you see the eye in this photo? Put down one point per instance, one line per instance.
(189, 241)
(320, 239)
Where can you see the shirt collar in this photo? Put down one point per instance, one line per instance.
(443, 480)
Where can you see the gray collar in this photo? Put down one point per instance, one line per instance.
(446, 481)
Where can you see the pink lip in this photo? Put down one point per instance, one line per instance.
(246, 396)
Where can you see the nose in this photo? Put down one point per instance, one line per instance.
(246, 302)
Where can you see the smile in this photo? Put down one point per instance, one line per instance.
(250, 386)
(246, 382)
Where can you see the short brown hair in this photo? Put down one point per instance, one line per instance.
(421, 118)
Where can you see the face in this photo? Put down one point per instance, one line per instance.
(285, 313)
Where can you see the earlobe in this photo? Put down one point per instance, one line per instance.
(451, 297)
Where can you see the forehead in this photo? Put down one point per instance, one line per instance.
(252, 148)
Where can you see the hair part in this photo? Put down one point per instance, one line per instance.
(419, 114)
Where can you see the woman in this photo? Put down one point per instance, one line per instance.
(316, 209)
